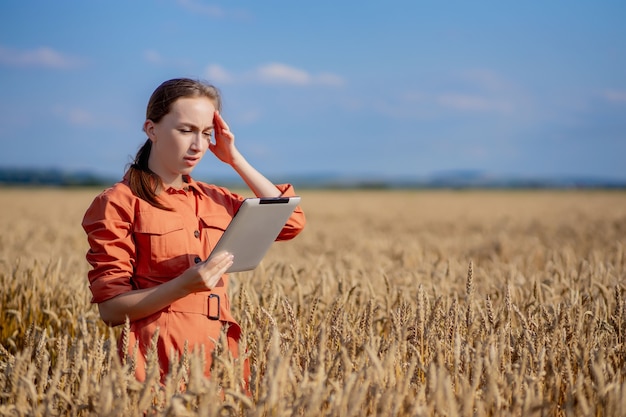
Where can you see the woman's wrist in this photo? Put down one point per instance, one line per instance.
(237, 161)
(177, 287)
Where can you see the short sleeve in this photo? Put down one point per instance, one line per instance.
(108, 224)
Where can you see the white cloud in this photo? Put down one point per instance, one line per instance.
(75, 116)
(282, 74)
(201, 8)
(461, 92)
(615, 96)
(327, 78)
(198, 7)
(466, 102)
(487, 79)
(421, 105)
(153, 56)
(80, 117)
(273, 73)
(42, 57)
(248, 116)
(218, 74)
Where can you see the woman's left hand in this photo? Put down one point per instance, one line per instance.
(224, 147)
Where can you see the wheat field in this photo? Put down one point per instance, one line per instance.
(390, 303)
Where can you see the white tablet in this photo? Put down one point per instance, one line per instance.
(254, 228)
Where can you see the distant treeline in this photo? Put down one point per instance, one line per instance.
(50, 177)
(449, 180)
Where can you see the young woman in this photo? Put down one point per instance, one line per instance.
(150, 233)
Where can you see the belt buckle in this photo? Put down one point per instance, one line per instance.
(209, 315)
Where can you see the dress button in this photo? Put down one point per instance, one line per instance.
(196, 234)
(197, 259)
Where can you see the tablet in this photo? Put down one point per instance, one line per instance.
(254, 228)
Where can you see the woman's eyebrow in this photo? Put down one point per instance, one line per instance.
(191, 125)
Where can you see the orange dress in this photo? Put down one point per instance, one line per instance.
(134, 245)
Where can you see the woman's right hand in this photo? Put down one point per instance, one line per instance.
(205, 275)
(140, 303)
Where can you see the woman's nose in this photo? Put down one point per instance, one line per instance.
(196, 143)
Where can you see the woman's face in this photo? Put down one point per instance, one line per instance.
(180, 138)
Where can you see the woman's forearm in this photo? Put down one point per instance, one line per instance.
(137, 304)
(260, 186)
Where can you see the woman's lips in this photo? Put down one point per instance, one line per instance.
(191, 161)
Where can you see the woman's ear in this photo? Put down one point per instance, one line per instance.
(149, 128)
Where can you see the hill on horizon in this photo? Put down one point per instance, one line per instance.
(444, 179)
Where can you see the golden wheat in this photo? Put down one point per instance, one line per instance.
(393, 303)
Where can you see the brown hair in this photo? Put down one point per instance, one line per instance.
(143, 182)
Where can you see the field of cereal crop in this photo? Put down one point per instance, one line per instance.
(394, 303)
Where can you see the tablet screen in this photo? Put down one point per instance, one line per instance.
(254, 228)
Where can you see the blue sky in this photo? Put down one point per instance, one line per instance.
(361, 88)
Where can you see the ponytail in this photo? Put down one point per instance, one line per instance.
(142, 181)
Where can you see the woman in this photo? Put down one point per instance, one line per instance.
(150, 233)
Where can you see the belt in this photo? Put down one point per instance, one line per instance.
(198, 303)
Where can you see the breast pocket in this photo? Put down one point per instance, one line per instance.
(213, 227)
(162, 247)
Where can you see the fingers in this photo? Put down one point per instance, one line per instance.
(220, 261)
(217, 267)
(224, 146)
(219, 122)
(222, 131)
